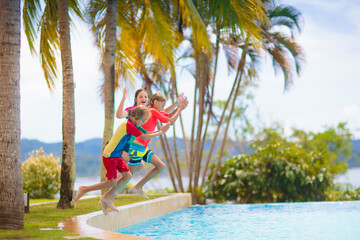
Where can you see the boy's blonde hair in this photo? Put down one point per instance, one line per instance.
(157, 97)
(139, 112)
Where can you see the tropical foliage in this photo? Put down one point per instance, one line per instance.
(280, 170)
(147, 38)
(152, 34)
(41, 175)
(41, 26)
(51, 21)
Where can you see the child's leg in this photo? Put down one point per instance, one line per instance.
(159, 166)
(106, 198)
(132, 170)
(98, 186)
(110, 165)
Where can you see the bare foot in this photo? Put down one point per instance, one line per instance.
(140, 192)
(79, 194)
(104, 205)
(112, 206)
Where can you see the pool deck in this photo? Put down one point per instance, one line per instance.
(100, 226)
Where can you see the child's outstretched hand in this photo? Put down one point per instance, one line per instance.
(124, 92)
(180, 97)
(165, 127)
(183, 103)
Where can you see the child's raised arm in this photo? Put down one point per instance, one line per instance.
(175, 114)
(170, 109)
(153, 134)
(120, 112)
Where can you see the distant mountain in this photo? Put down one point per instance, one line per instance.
(88, 153)
(356, 150)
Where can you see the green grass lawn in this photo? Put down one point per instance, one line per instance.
(47, 216)
(41, 200)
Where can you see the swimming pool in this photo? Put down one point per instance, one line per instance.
(310, 220)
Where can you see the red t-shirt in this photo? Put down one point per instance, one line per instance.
(150, 125)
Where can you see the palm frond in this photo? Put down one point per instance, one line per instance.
(49, 42)
(287, 16)
(191, 17)
(231, 54)
(281, 61)
(75, 9)
(255, 62)
(293, 48)
(250, 15)
(31, 18)
(95, 14)
(160, 37)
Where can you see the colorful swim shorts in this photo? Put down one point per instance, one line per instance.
(137, 153)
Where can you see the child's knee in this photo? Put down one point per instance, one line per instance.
(125, 156)
(112, 182)
(138, 168)
(127, 175)
(161, 166)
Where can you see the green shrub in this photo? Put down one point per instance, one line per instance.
(339, 194)
(273, 173)
(41, 175)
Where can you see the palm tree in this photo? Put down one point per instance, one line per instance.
(109, 73)
(146, 30)
(228, 19)
(52, 22)
(68, 171)
(11, 194)
(105, 39)
(285, 52)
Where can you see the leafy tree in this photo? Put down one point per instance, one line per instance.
(276, 169)
(335, 142)
(229, 20)
(41, 174)
(275, 172)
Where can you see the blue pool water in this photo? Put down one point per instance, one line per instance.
(311, 220)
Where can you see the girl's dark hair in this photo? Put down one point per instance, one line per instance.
(139, 111)
(138, 92)
(157, 97)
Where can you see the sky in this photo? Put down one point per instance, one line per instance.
(326, 92)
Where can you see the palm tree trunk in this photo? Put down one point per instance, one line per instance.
(217, 46)
(241, 70)
(202, 74)
(11, 194)
(174, 93)
(191, 159)
(177, 161)
(171, 160)
(169, 166)
(222, 118)
(68, 119)
(109, 72)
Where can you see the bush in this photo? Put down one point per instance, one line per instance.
(41, 175)
(273, 173)
(339, 194)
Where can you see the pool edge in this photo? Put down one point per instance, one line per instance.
(97, 225)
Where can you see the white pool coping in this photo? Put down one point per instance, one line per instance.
(100, 226)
